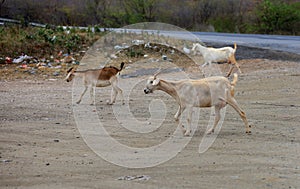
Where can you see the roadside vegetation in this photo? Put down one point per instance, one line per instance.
(44, 42)
(47, 52)
(50, 42)
(234, 16)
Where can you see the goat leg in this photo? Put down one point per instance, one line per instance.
(85, 89)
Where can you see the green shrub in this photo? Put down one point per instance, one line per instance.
(277, 17)
(223, 24)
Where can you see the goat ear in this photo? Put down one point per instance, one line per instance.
(156, 81)
(70, 69)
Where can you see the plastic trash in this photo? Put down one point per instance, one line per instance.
(8, 60)
(186, 50)
(164, 57)
(60, 53)
(135, 177)
(138, 42)
(118, 47)
(68, 59)
(24, 66)
(32, 71)
(21, 59)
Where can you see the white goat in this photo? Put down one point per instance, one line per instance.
(223, 54)
(98, 78)
(212, 91)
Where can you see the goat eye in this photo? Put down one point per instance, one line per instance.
(151, 82)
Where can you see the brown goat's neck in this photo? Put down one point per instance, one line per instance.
(168, 87)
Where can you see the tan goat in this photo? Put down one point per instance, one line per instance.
(98, 78)
(215, 91)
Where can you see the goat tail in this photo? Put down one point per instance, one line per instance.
(235, 47)
(122, 66)
(233, 83)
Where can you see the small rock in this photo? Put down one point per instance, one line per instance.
(32, 72)
(6, 160)
(234, 177)
(56, 73)
(45, 119)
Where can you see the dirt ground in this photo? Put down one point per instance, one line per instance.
(41, 146)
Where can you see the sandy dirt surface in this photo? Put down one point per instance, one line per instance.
(41, 147)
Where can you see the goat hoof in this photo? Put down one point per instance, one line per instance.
(210, 131)
(187, 133)
(248, 132)
(109, 103)
(77, 102)
(183, 129)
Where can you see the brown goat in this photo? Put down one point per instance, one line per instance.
(98, 78)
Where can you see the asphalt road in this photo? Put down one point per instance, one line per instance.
(273, 42)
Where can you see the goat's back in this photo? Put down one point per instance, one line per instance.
(214, 84)
(221, 54)
(203, 92)
(107, 72)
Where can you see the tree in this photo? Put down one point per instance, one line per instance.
(277, 17)
(1, 3)
(97, 10)
(203, 10)
(140, 10)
